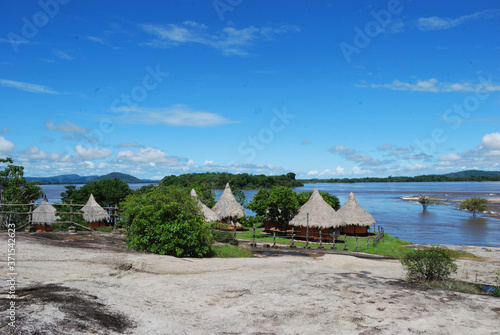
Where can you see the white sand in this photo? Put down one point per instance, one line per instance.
(331, 294)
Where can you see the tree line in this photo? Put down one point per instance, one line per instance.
(402, 179)
(243, 181)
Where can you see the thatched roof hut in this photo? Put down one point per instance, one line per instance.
(207, 212)
(45, 214)
(93, 212)
(321, 214)
(227, 206)
(355, 216)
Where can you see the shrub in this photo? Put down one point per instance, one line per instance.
(428, 264)
(166, 221)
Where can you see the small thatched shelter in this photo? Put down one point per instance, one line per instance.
(93, 213)
(227, 208)
(357, 219)
(44, 217)
(208, 214)
(319, 216)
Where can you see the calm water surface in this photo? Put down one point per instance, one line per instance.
(440, 224)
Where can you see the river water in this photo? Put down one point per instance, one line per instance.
(441, 224)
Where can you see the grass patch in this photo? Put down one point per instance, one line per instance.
(229, 251)
(456, 286)
(105, 229)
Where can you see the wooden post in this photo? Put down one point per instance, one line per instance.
(345, 241)
(234, 232)
(293, 233)
(274, 237)
(71, 228)
(368, 243)
(254, 244)
(307, 231)
(320, 242)
(356, 243)
(30, 228)
(115, 215)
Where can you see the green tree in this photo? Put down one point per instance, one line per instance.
(259, 202)
(240, 197)
(425, 201)
(14, 189)
(205, 194)
(474, 205)
(428, 264)
(107, 192)
(332, 200)
(166, 221)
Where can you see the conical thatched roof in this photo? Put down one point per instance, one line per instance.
(227, 206)
(354, 214)
(93, 212)
(321, 214)
(207, 212)
(45, 214)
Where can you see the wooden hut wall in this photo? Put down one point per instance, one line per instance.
(301, 232)
(43, 227)
(354, 230)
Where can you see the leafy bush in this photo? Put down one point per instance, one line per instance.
(166, 221)
(474, 205)
(429, 264)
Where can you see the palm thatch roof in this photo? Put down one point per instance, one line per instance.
(227, 206)
(93, 212)
(207, 212)
(354, 214)
(321, 214)
(45, 214)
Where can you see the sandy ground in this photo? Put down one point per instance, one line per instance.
(90, 284)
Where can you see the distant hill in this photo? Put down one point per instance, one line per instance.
(474, 173)
(77, 179)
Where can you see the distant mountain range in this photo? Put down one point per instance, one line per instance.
(77, 179)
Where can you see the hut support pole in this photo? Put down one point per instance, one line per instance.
(30, 227)
(345, 241)
(307, 231)
(71, 228)
(254, 244)
(320, 241)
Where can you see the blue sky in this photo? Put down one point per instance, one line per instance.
(323, 89)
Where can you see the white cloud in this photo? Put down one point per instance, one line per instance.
(230, 41)
(210, 163)
(65, 127)
(149, 155)
(177, 115)
(339, 170)
(33, 88)
(352, 155)
(439, 23)
(63, 55)
(92, 153)
(491, 141)
(6, 145)
(434, 85)
(312, 173)
(450, 157)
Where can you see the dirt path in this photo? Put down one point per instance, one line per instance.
(90, 284)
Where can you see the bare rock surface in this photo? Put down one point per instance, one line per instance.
(91, 284)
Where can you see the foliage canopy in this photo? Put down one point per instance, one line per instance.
(107, 192)
(474, 205)
(167, 221)
(429, 264)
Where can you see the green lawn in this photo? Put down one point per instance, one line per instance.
(388, 246)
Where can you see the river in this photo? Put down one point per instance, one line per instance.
(442, 224)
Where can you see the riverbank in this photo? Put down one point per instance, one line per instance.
(76, 284)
